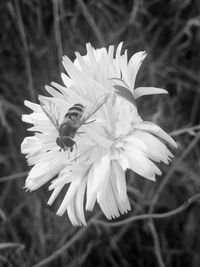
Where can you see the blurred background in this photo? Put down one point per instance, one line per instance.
(34, 35)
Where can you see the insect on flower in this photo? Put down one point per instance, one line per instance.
(108, 132)
(75, 117)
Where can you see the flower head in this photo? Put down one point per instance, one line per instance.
(113, 137)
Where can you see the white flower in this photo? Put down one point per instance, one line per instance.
(114, 139)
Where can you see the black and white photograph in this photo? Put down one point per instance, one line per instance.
(99, 133)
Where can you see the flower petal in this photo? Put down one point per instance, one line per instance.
(125, 93)
(69, 197)
(54, 195)
(108, 203)
(155, 149)
(53, 92)
(142, 165)
(122, 206)
(79, 202)
(99, 139)
(92, 186)
(134, 65)
(105, 174)
(67, 81)
(141, 91)
(120, 181)
(72, 214)
(33, 106)
(155, 129)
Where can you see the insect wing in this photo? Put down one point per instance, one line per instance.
(95, 106)
(49, 109)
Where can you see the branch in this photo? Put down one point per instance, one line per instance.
(174, 212)
(12, 177)
(69, 243)
(91, 22)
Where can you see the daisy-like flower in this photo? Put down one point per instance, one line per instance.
(112, 140)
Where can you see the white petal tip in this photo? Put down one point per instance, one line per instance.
(142, 91)
(153, 178)
(59, 213)
(174, 145)
(49, 203)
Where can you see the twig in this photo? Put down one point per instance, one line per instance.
(133, 13)
(195, 107)
(26, 50)
(156, 244)
(57, 31)
(91, 22)
(164, 215)
(69, 243)
(58, 252)
(2, 215)
(18, 111)
(13, 177)
(185, 130)
(5, 261)
(7, 245)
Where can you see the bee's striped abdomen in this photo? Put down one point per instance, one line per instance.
(76, 111)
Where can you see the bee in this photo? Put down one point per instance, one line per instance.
(75, 117)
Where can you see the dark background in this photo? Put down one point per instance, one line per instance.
(34, 35)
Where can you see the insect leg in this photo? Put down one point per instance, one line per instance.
(76, 151)
(78, 133)
(89, 122)
(68, 153)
